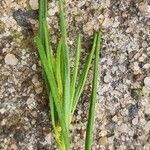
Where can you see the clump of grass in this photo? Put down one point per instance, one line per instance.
(63, 89)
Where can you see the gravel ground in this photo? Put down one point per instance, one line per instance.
(123, 110)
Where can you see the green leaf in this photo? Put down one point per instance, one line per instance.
(52, 107)
(50, 60)
(66, 63)
(53, 86)
(75, 71)
(83, 76)
(48, 48)
(90, 124)
(63, 25)
(42, 17)
(58, 70)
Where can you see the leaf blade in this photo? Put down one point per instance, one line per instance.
(83, 76)
(51, 80)
(75, 71)
(90, 124)
(66, 63)
(42, 17)
(58, 69)
(49, 52)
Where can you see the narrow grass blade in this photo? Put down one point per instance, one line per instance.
(42, 17)
(66, 87)
(50, 60)
(53, 86)
(52, 112)
(49, 51)
(51, 103)
(58, 70)
(47, 41)
(66, 63)
(90, 124)
(63, 25)
(75, 71)
(83, 76)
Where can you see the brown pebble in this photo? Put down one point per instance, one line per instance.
(103, 141)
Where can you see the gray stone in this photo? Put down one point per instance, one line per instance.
(21, 18)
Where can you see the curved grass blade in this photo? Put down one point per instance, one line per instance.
(75, 71)
(53, 86)
(49, 52)
(90, 124)
(83, 76)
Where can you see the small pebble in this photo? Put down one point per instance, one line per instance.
(39, 89)
(147, 127)
(103, 133)
(136, 66)
(146, 91)
(107, 78)
(147, 81)
(11, 59)
(135, 121)
(124, 128)
(115, 118)
(147, 109)
(34, 4)
(2, 110)
(146, 66)
(107, 23)
(34, 67)
(103, 141)
(13, 147)
(48, 138)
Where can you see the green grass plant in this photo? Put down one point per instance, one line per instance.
(65, 89)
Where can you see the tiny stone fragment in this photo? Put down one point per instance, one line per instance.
(103, 133)
(147, 81)
(147, 109)
(115, 118)
(48, 138)
(103, 141)
(146, 91)
(12, 147)
(132, 111)
(147, 127)
(124, 128)
(135, 121)
(39, 89)
(11, 59)
(107, 78)
(146, 66)
(34, 4)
